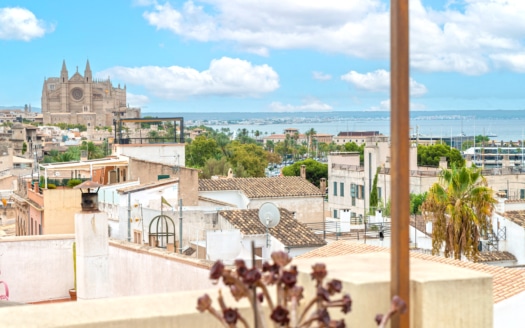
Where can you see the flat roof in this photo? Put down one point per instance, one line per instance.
(85, 164)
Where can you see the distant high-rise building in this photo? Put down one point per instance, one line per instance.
(82, 100)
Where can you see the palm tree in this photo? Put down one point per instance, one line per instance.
(460, 206)
(309, 136)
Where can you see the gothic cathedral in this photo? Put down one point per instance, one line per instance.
(82, 100)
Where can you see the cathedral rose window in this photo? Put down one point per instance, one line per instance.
(77, 93)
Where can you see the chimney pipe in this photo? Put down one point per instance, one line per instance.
(303, 171)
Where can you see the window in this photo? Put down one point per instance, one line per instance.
(379, 196)
(342, 189)
(335, 214)
(522, 193)
(335, 188)
(352, 190)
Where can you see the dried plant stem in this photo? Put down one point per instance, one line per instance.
(221, 301)
(386, 318)
(218, 316)
(309, 322)
(266, 295)
(293, 312)
(307, 308)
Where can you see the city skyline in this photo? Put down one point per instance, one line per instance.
(294, 56)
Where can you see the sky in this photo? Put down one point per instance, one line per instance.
(267, 56)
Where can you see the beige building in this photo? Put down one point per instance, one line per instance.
(80, 99)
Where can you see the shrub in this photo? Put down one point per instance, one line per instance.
(73, 182)
(51, 186)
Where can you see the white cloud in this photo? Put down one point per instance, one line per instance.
(312, 105)
(225, 77)
(379, 81)
(460, 36)
(21, 24)
(321, 76)
(513, 62)
(136, 100)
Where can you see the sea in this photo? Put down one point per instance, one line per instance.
(505, 125)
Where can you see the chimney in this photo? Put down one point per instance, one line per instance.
(303, 171)
(322, 185)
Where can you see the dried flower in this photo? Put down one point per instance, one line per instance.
(260, 297)
(323, 294)
(318, 272)
(323, 316)
(347, 303)
(281, 258)
(241, 267)
(289, 278)
(398, 304)
(295, 291)
(230, 316)
(280, 315)
(251, 276)
(378, 319)
(203, 303)
(237, 293)
(228, 279)
(334, 286)
(267, 267)
(216, 270)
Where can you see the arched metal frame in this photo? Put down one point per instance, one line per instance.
(160, 237)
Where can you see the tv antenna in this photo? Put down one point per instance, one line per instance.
(269, 216)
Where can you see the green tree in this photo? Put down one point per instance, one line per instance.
(374, 199)
(200, 150)
(430, 155)
(460, 206)
(310, 134)
(416, 200)
(214, 166)
(24, 148)
(352, 146)
(249, 159)
(93, 150)
(314, 170)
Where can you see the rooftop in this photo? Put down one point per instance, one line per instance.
(263, 187)
(505, 284)
(289, 231)
(517, 217)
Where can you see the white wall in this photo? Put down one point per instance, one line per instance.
(169, 154)
(37, 268)
(509, 313)
(137, 271)
(515, 237)
(234, 197)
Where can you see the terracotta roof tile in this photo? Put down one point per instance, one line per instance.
(495, 256)
(289, 231)
(263, 187)
(506, 282)
(517, 217)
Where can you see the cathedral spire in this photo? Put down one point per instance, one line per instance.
(87, 72)
(63, 74)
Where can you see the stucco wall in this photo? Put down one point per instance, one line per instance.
(60, 206)
(37, 268)
(168, 154)
(515, 238)
(307, 209)
(139, 270)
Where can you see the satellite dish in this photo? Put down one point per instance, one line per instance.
(269, 215)
(57, 174)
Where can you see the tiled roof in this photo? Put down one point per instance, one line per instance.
(289, 231)
(495, 257)
(517, 217)
(505, 282)
(263, 187)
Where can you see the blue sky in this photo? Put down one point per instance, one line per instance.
(272, 55)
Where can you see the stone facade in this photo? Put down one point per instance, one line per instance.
(82, 100)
